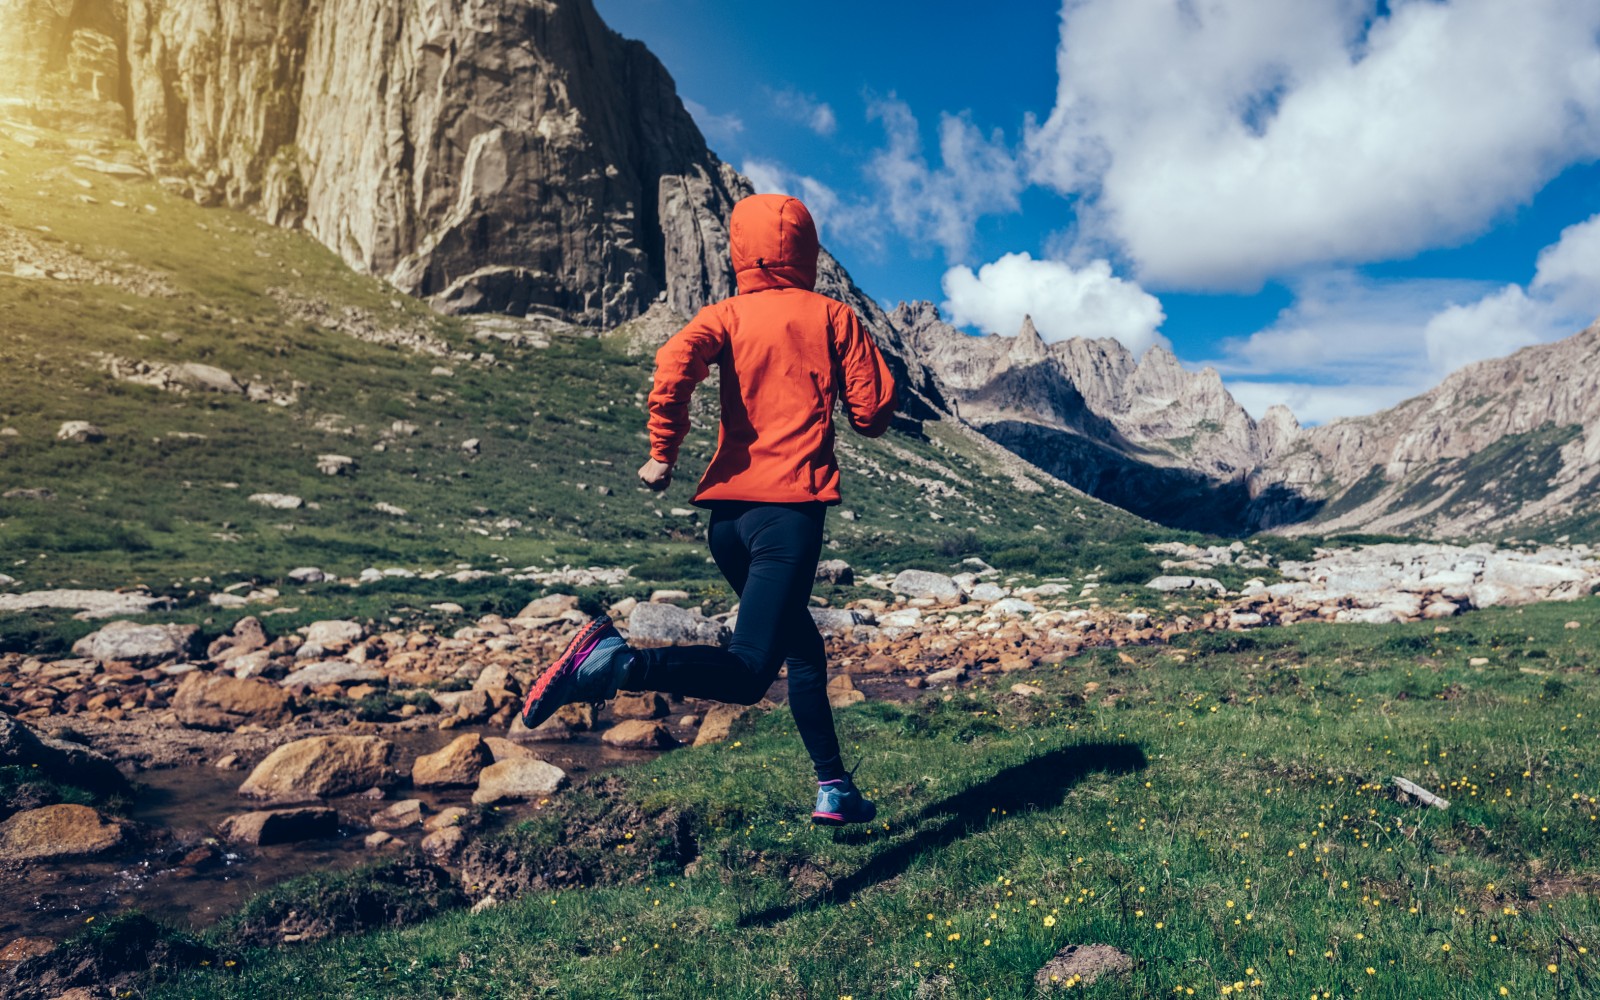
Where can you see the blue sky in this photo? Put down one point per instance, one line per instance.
(1333, 202)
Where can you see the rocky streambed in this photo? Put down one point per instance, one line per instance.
(155, 770)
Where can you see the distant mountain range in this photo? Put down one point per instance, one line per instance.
(521, 157)
(1503, 447)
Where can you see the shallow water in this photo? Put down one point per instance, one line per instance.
(55, 899)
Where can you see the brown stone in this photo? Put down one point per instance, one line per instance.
(452, 816)
(444, 843)
(24, 948)
(246, 636)
(406, 812)
(319, 767)
(878, 663)
(842, 691)
(456, 765)
(639, 705)
(518, 778)
(218, 701)
(503, 749)
(719, 723)
(638, 734)
(280, 826)
(59, 831)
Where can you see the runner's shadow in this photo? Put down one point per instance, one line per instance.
(1036, 784)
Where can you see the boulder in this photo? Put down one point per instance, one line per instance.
(501, 749)
(456, 765)
(667, 624)
(91, 604)
(834, 621)
(140, 645)
(246, 636)
(639, 705)
(444, 843)
(319, 767)
(1010, 607)
(59, 831)
(306, 575)
(842, 691)
(921, 583)
(400, 815)
(333, 672)
(518, 778)
(58, 760)
(80, 432)
(551, 606)
(334, 636)
(987, 593)
(277, 501)
(835, 571)
(223, 702)
(719, 723)
(280, 826)
(638, 734)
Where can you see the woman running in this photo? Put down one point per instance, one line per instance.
(786, 354)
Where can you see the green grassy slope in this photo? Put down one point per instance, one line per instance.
(149, 506)
(1224, 819)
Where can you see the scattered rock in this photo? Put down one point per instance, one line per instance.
(24, 948)
(1010, 607)
(93, 603)
(457, 764)
(277, 501)
(140, 645)
(1027, 690)
(921, 583)
(667, 624)
(842, 692)
(835, 571)
(319, 767)
(80, 431)
(638, 734)
(445, 843)
(950, 675)
(1176, 583)
(333, 672)
(336, 465)
(639, 705)
(668, 596)
(518, 778)
(280, 826)
(503, 749)
(399, 816)
(379, 839)
(223, 702)
(719, 723)
(59, 760)
(59, 831)
(551, 606)
(26, 493)
(306, 575)
(452, 816)
(334, 636)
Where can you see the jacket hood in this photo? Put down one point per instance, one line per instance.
(774, 243)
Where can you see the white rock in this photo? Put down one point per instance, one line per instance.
(1174, 583)
(277, 501)
(307, 574)
(334, 636)
(922, 583)
(335, 465)
(1011, 607)
(986, 593)
(80, 431)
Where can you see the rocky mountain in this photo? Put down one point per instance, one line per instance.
(1506, 446)
(1140, 432)
(1501, 447)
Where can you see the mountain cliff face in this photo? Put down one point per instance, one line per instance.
(509, 156)
(1141, 432)
(1503, 446)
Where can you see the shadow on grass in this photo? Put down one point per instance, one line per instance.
(1040, 783)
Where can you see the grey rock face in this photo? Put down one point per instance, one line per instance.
(662, 624)
(142, 645)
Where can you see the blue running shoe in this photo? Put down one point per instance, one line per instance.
(841, 802)
(588, 670)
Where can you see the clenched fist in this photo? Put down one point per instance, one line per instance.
(656, 475)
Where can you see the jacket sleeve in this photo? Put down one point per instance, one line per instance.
(681, 364)
(867, 384)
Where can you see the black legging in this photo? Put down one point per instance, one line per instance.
(768, 552)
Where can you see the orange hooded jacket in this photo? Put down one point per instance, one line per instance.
(786, 354)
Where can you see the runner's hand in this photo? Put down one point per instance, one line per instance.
(656, 475)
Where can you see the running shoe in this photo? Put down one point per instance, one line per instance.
(586, 671)
(841, 802)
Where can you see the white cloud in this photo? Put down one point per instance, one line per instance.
(1064, 301)
(852, 222)
(977, 175)
(815, 115)
(1352, 345)
(1563, 297)
(1220, 142)
(717, 128)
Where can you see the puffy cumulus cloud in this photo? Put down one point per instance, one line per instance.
(815, 115)
(1220, 142)
(1563, 297)
(1064, 301)
(853, 222)
(977, 175)
(717, 128)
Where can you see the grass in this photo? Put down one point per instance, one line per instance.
(1220, 811)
